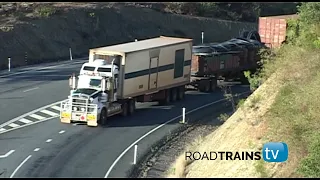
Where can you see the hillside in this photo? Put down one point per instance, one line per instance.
(45, 31)
(285, 108)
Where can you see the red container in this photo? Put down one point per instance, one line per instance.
(272, 29)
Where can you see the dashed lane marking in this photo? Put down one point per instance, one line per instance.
(49, 140)
(49, 112)
(13, 125)
(37, 116)
(56, 108)
(24, 120)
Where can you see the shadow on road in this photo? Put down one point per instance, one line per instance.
(156, 115)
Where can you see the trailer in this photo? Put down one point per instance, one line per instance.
(116, 77)
(224, 61)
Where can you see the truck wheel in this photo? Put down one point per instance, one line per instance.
(174, 94)
(103, 117)
(213, 84)
(204, 86)
(181, 93)
(124, 109)
(132, 106)
(166, 99)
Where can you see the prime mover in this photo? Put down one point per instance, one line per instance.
(118, 76)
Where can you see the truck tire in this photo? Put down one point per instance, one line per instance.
(174, 94)
(124, 108)
(213, 84)
(204, 85)
(166, 99)
(103, 117)
(181, 93)
(132, 106)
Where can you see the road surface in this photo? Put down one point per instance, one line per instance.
(24, 90)
(53, 149)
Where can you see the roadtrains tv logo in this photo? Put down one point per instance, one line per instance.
(271, 152)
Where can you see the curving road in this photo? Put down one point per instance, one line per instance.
(24, 90)
(52, 149)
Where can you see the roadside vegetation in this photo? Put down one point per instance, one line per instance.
(284, 107)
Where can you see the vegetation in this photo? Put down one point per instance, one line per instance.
(294, 117)
(248, 12)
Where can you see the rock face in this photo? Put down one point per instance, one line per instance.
(49, 37)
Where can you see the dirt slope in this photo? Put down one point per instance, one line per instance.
(45, 34)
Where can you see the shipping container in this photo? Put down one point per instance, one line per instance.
(273, 29)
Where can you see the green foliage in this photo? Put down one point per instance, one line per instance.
(310, 166)
(254, 80)
(240, 103)
(44, 11)
(223, 117)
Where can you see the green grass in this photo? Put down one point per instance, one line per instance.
(294, 117)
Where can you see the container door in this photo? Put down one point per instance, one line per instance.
(153, 72)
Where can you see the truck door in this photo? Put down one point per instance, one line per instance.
(153, 72)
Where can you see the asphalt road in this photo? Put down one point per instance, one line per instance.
(53, 149)
(26, 89)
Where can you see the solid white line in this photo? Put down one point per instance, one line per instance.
(61, 132)
(26, 121)
(37, 116)
(49, 112)
(31, 89)
(36, 149)
(158, 127)
(49, 140)
(13, 125)
(2, 129)
(20, 165)
(7, 154)
(56, 108)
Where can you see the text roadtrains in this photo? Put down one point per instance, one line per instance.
(223, 155)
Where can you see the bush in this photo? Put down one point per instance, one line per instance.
(44, 11)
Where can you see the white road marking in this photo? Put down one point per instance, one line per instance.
(156, 128)
(25, 120)
(31, 89)
(37, 116)
(56, 108)
(35, 122)
(49, 140)
(49, 112)
(61, 132)
(36, 149)
(20, 165)
(74, 124)
(27, 114)
(7, 154)
(41, 68)
(13, 125)
(2, 129)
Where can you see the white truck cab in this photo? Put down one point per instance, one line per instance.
(93, 94)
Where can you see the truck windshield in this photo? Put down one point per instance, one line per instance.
(95, 83)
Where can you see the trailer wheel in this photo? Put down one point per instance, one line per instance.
(181, 92)
(213, 84)
(124, 109)
(132, 106)
(103, 117)
(166, 99)
(174, 94)
(204, 86)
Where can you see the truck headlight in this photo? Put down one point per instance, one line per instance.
(74, 108)
(83, 109)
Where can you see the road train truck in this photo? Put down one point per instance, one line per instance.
(118, 76)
